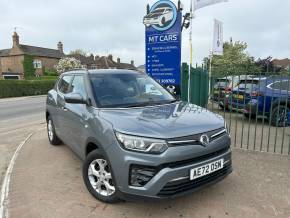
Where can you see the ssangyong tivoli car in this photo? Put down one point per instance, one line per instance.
(134, 137)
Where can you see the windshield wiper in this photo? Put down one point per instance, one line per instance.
(150, 103)
(139, 105)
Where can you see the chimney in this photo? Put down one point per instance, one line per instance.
(118, 60)
(15, 38)
(60, 47)
(110, 57)
(132, 63)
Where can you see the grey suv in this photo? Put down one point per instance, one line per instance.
(134, 137)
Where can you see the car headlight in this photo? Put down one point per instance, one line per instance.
(226, 128)
(147, 145)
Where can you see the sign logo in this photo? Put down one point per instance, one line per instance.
(204, 140)
(162, 16)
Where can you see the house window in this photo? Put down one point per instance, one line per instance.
(8, 77)
(93, 66)
(37, 64)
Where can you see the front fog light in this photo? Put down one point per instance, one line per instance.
(227, 129)
(141, 175)
(148, 145)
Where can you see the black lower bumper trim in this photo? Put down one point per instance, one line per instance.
(181, 186)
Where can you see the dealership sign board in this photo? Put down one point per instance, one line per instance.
(163, 43)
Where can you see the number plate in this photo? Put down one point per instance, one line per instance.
(240, 97)
(206, 169)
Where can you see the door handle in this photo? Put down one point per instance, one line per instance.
(64, 108)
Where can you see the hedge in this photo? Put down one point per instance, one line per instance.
(18, 88)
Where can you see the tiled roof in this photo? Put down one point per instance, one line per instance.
(4, 52)
(102, 62)
(35, 51)
(283, 62)
(43, 52)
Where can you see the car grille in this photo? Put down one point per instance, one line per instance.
(194, 139)
(196, 159)
(178, 187)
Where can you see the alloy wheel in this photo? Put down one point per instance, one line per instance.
(100, 177)
(50, 130)
(282, 116)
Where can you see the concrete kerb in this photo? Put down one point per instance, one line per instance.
(20, 98)
(6, 181)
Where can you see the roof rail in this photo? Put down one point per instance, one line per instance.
(76, 69)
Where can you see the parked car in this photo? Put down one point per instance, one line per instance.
(159, 16)
(134, 137)
(223, 87)
(269, 96)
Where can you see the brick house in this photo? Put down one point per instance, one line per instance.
(282, 63)
(102, 62)
(11, 60)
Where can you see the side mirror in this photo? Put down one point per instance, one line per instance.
(172, 90)
(74, 98)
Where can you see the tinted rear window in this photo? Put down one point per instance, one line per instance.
(249, 84)
(281, 85)
(222, 83)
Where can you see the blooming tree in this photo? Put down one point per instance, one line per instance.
(67, 63)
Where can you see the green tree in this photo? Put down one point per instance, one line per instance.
(78, 52)
(29, 70)
(234, 61)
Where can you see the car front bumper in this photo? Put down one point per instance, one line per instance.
(249, 108)
(172, 177)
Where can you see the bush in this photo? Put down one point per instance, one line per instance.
(18, 88)
(44, 78)
(28, 66)
(48, 72)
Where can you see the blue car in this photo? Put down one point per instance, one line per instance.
(268, 96)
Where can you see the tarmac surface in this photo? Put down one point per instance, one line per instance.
(47, 182)
(18, 118)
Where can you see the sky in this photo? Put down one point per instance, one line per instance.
(115, 27)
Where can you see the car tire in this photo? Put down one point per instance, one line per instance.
(279, 117)
(52, 137)
(92, 170)
(252, 116)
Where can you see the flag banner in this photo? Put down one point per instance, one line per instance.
(203, 3)
(217, 48)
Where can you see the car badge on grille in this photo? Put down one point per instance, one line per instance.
(204, 140)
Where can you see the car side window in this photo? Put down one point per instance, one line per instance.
(283, 85)
(78, 85)
(63, 85)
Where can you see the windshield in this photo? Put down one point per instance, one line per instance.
(128, 90)
(222, 83)
(248, 85)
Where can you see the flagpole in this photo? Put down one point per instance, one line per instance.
(210, 72)
(190, 46)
